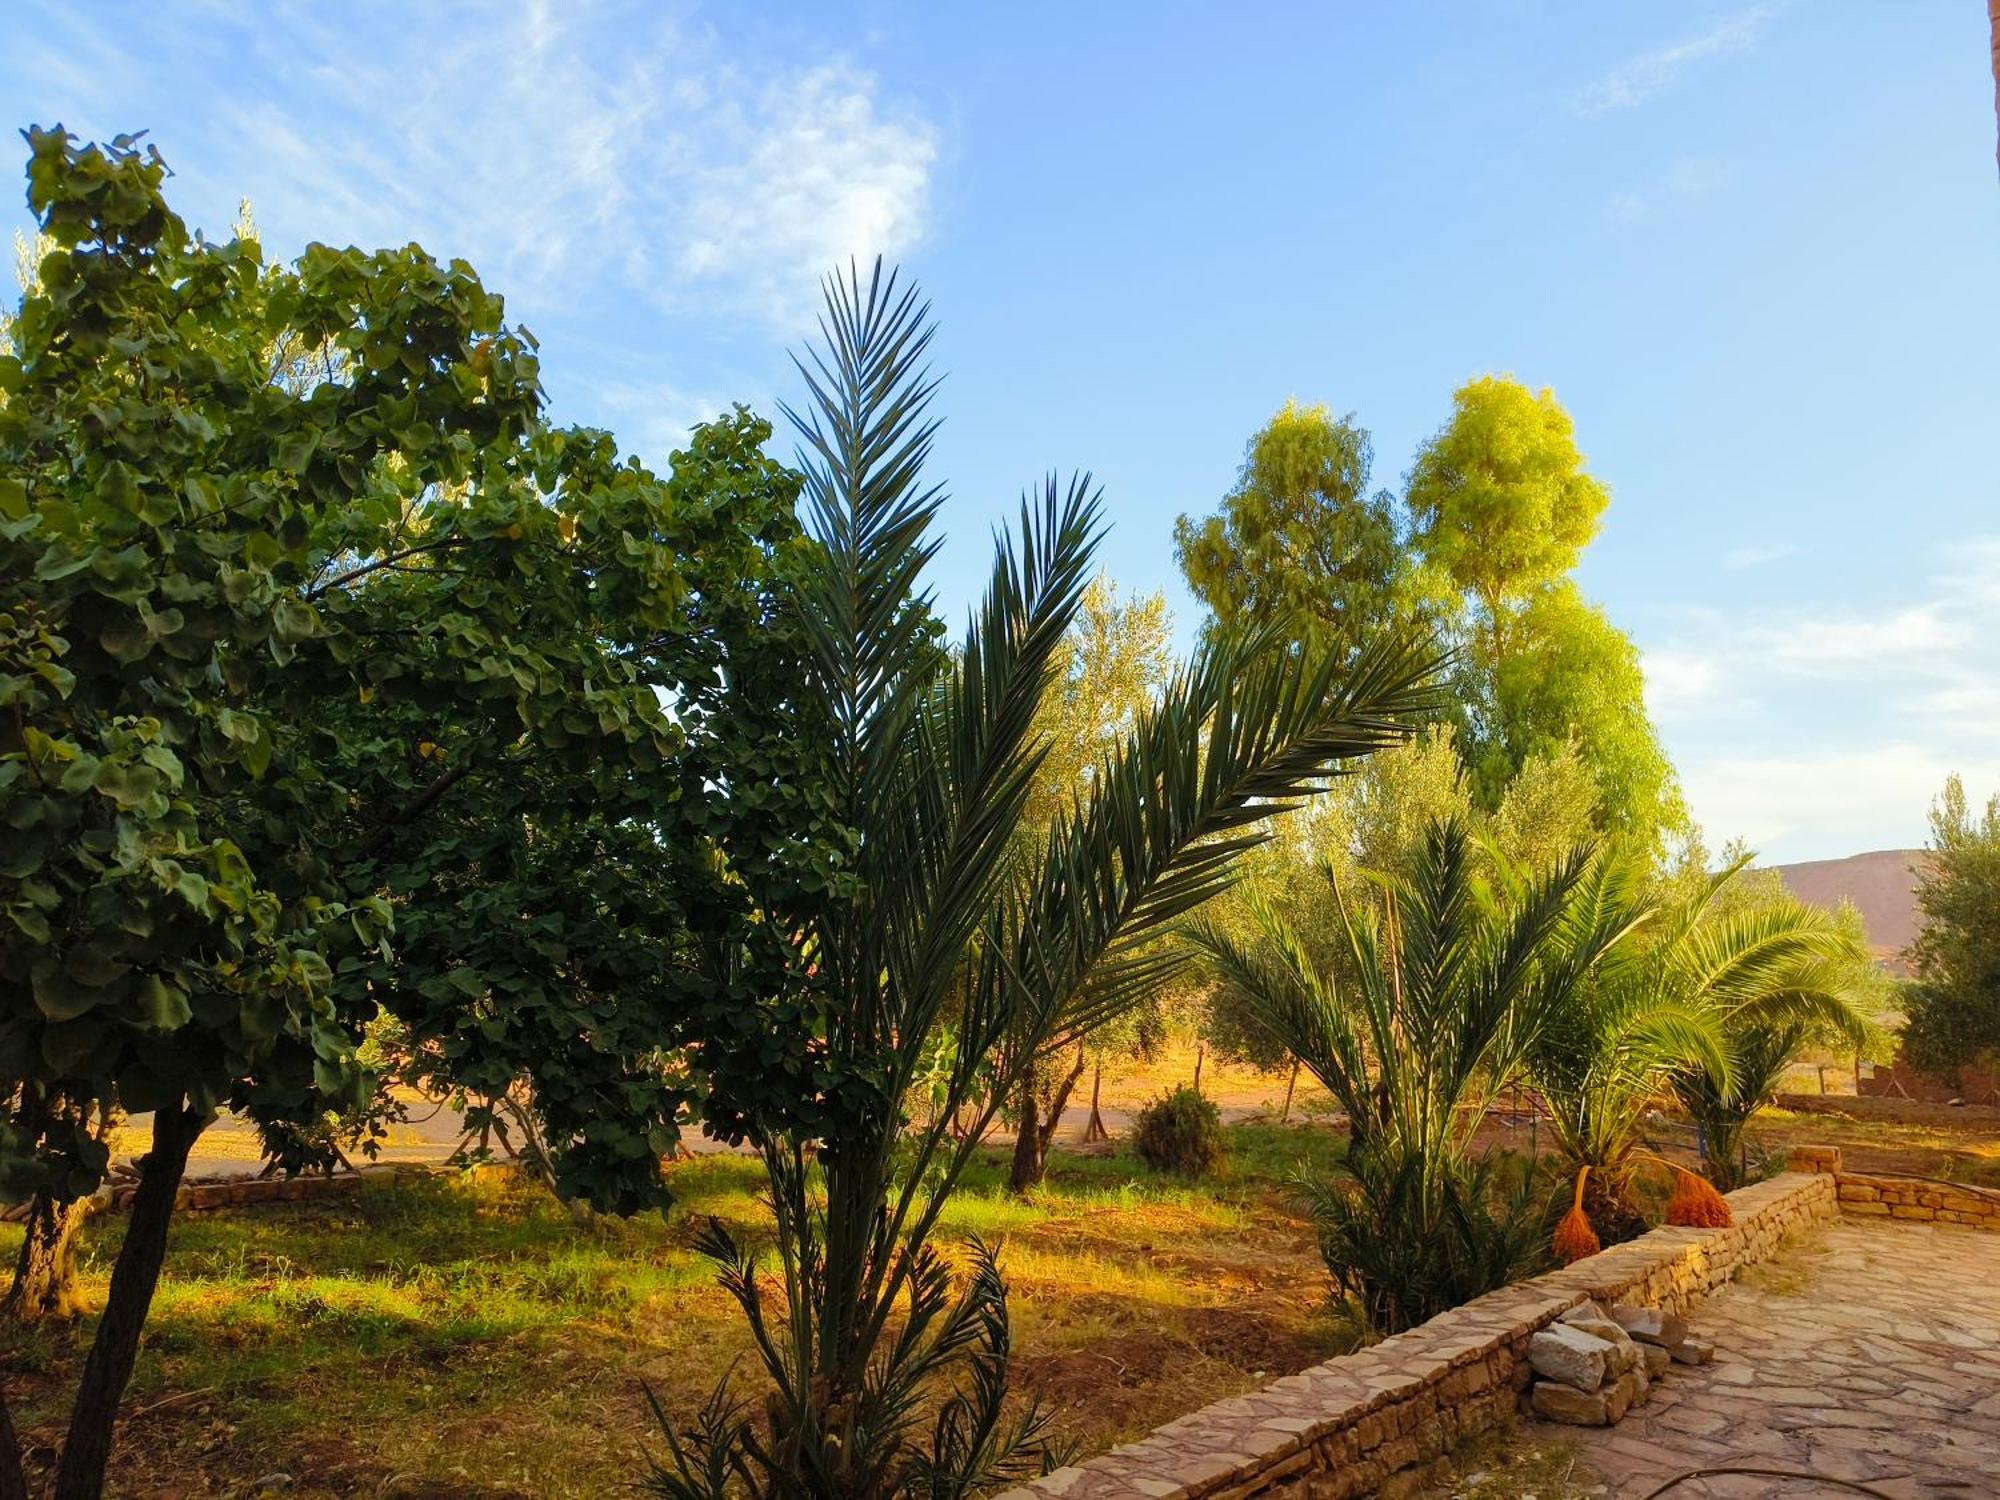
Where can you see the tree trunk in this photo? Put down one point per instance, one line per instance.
(13, 1477)
(1607, 1202)
(1993, 18)
(1200, 1052)
(1052, 1117)
(1038, 1129)
(45, 1275)
(1027, 1169)
(1291, 1086)
(1095, 1130)
(133, 1280)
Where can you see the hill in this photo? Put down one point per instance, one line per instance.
(1879, 884)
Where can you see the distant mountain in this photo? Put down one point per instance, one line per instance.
(1882, 888)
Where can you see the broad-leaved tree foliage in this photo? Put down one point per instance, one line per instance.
(1301, 543)
(936, 931)
(1954, 1006)
(308, 622)
(1501, 507)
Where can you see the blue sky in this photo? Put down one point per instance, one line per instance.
(1754, 248)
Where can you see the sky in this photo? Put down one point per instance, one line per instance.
(1754, 249)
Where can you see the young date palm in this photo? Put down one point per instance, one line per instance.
(936, 930)
(1453, 989)
(1684, 1001)
(1788, 976)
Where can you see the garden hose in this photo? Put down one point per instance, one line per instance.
(1761, 1473)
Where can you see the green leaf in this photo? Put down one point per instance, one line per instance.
(162, 1006)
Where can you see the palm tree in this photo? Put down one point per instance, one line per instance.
(1792, 975)
(935, 925)
(1681, 1000)
(1452, 991)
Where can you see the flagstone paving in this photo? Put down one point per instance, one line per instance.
(1869, 1352)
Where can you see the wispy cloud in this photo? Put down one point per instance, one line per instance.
(1638, 79)
(1689, 178)
(589, 149)
(1887, 700)
(1736, 559)
(1842, 798)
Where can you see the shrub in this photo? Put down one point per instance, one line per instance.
(1406, 1245)
(1181, 1132)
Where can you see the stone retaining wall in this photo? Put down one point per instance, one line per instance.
(1919, 1198)
(1371, 1422)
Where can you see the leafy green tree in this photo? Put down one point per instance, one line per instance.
(1500, 501)
(1300, 543)
(934, 924)
(1572, 684)
(583, 927)
(1954, 1006)
(306, 615)
(1501, 508)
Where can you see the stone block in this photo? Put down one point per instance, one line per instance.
(1554, 1402)
(1576, 1359)
(1624, 1353)
(1657, 1359)
(1651, 1325)
(1692, 1351)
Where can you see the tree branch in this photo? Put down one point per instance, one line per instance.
(415, 808)
(389, 561)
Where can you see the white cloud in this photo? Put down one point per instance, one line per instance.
(1679, 681)
(1840, 800)
(1823, 732)
(1633, 82)
(1756, 556)
(576, 151)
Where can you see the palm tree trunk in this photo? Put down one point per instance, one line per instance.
(1608, 1204)
(1291, 1087)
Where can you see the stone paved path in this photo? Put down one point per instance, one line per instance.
(1868, 1352)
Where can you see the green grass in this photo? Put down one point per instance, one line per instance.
(431, 1327)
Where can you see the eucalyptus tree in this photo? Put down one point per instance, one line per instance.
(934, 922)
(1450, 988)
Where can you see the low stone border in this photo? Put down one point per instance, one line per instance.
(1922, 1198)
(1369, 1422)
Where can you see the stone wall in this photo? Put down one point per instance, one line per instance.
(1370, 1422)
(1899, 1080)
(1920, 1198)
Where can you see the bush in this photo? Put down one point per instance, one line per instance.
(1407, 1245)
(1181, 1132)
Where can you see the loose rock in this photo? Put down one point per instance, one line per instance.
(1651, 1326)
(1625, 1354)
(1555, 1402)
(1576, 1359)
